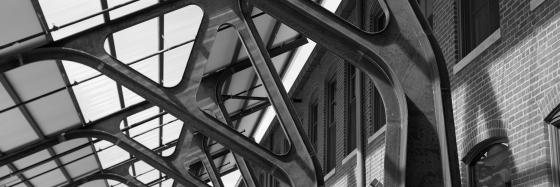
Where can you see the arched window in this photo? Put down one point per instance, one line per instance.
(491, 166)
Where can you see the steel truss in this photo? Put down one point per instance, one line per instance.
(403, 60)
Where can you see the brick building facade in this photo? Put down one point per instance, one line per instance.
(503, 88)
(504, 73)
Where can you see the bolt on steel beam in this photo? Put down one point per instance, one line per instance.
(411, 78)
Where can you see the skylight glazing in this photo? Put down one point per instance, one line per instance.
(159, 49)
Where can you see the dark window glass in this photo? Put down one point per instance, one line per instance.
(351, 125)
(378, 118)
(331, 125)
(313, 123)
(479, 19)
(492, 167)
(427, 8)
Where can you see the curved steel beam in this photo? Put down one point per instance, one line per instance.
(127, 180)
(397, 59)
(402, 59)
(216, 86)
(200, 142)
(118, 173)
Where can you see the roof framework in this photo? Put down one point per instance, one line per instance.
(122, 86)
(164, 46)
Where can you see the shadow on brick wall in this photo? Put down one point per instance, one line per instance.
(519, 55)
(483, 118)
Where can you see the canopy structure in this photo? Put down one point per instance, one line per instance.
(173, 93)
(40, 100)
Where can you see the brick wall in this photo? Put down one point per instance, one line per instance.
(504, 92)
(375, 152)
(498, 93)
(313, 88)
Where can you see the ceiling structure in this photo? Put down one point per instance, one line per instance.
(38, 101)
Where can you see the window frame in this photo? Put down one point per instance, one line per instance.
(464, 58)
(553, 121)
(474, 153)
(427, 9)
(330, 123)
(313, 125)
(352, 120)
(465, 25)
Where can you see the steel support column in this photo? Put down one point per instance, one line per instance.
(403, 61)
(406, 64)
(200, 142)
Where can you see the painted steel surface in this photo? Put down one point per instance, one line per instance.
(403, 60)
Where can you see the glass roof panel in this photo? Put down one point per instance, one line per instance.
(175, 63)
(115, 183)
(149, 176)
(99, 144)
(285, 33)
(223, 49)
(52, 178)
(77, 72)
(148, 68)
(145, 172)
(150, 137)
(41, 174)
(265, 26)
(24, 26)
(67, 145)
(16, 131)
(137, 41)
(181, 25)
(167, 183)
(82, 166)
(130, 98)
(168, 151)
(111, 156)
(20, 184)
(247, 123)
(32, 80)
(139, 117)
(32, 159)
(61, 12)
(5, 99)
(141, 167)
(239, 82)
(49, 120)
(171, 131)
(133, 7)
(95, 183)
(179, 28)
(168, 118)
(97, 97)
(5, 171)
(76, 155)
